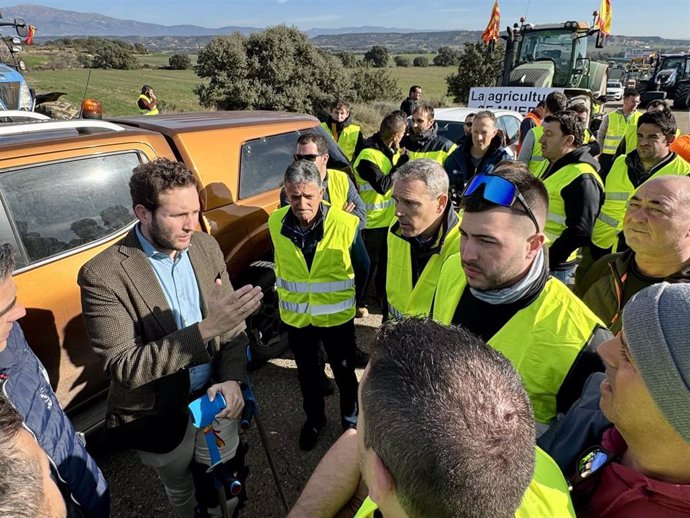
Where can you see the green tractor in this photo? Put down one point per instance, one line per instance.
(554, 55)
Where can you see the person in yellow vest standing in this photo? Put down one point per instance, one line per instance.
(423, 234)
(423, 141)
(499, 288)
(445, 431)
(613, 127)
(339, 124)
(319, 261)
(531, 120)
(147, 101)
(576, 192)
(530, 150)
(373, 173)
(629, 142)
(653, 158)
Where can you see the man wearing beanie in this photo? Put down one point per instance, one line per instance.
(642, 465)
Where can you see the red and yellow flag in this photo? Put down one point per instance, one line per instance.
(493, 29)
(30, 36)
(604, 21)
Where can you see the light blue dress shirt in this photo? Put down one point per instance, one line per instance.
(178, 282)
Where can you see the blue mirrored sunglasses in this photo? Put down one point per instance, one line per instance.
(499, 191)
(592, 461)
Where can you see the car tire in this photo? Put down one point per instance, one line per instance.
(267, 335)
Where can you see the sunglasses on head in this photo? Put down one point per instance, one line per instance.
(499, 191)
(311, 158)
(592, 461)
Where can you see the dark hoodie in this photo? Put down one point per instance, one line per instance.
(461, 168)
(427, 141)
(583, 198)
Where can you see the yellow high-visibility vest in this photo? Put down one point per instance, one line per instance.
(542, 340)
(616, 130)
(404, 299)
(380, 207)
(555, 222)
(145, 111)
(347, 139)
(537, 162)
(617, 192)
(323, 295)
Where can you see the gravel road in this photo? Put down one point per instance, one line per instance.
(137, 492)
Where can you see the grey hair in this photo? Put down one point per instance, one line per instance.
(485, 114)
(303, 171)
(425, 170)
(6, 261)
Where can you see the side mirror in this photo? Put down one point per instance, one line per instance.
(21, 27)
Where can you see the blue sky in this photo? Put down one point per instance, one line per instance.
(670, 18)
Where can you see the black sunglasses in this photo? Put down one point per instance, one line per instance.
(592, 461)
(500, 191)
(311, 158)
(468, 124)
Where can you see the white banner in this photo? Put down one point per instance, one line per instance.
(517, 98)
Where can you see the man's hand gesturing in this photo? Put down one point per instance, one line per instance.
(226, 312)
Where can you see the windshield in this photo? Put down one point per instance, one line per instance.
(614, 84)
(555, 45)
(675, 63)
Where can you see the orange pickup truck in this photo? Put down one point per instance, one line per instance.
(65, 197)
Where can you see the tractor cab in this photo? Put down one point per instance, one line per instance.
(553, 55)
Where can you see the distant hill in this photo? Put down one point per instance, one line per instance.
(54, 23)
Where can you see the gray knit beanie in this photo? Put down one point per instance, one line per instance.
(656, 322)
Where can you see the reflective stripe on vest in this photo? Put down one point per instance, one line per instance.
(542, 340)
(324, 294)
(404, 299)
(347, 139)
(439, 155)
(616, 130)
(619, 189)
(555, 183)
(146, 111)
(379, 207)
(536, 162)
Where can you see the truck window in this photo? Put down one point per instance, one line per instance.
(59, 206)
(264, 162)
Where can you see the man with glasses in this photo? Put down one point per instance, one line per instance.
(339, 190)
(320, 263)
(466, 130)
(576, 193)
(499, 288)
(639, 466)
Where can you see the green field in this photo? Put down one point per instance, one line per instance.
(119, 89)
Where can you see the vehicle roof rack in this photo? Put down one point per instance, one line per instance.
(21, 116)
(81, 126)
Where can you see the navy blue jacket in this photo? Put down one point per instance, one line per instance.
(460, 167)
(24, 382)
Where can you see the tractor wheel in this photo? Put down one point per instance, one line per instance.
(58, 110)
(681, 99)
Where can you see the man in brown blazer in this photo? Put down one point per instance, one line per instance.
(162, 315)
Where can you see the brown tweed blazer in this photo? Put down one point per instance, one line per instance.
(133, 331)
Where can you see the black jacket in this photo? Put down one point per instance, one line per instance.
(427, 141)
(583, 198)
(370, 172)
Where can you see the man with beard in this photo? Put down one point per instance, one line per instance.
(499, 288)
(412, 101)
(423, 142)
(576, 192)
(347, 135)
(162, 316)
